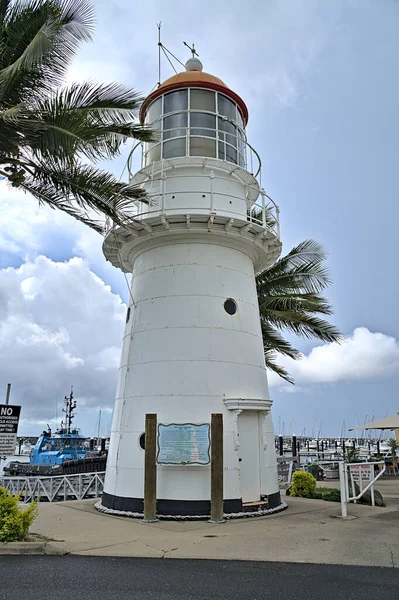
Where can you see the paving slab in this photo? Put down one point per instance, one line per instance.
(309, 531)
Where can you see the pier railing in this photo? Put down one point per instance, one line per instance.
(56, 488)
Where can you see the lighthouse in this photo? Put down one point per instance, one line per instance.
(193, 345)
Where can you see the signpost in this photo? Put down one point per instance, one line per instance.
(9, 419)
(183, 444)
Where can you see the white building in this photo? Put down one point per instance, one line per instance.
(193, 343)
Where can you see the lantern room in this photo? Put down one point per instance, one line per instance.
(195, 114)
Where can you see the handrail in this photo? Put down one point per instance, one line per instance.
(265, 213)
(255, 166)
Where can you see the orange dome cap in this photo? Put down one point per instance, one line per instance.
(197, 79)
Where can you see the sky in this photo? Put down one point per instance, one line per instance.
(320, 81)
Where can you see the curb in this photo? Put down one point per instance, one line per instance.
(27, 548)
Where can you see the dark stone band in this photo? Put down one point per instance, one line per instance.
(180, 507)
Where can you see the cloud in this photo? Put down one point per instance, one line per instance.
(364, 355)
(60, 324)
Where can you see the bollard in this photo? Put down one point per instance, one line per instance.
(217, 469)
(354, 445)
(378, 447)
(150, 469)
(103, 440)
(293, 446)
(281, 445)
(343, 447)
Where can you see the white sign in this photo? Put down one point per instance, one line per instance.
(183, 444)
(362, 472)
(9, 419)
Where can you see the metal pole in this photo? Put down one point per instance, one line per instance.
(294, 447)
(342, 487)
(8, 393)
(217, 468)
(150, 469)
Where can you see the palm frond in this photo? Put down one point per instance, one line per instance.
(304, 325)
(90, 189)
(37, 42)
(270, 357)
(302, 269)
(272, 340)
(309, 303)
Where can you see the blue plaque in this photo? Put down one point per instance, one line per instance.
(184, 444)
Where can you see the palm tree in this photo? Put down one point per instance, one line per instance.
(51, 135)
(290, 299)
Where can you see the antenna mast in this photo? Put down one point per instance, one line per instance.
(70, 405)
(159, 52)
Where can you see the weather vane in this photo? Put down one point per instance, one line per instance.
(193, 50)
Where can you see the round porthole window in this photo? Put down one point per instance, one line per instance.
(142, 441)
(230, 306)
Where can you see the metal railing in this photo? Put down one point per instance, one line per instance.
(264, 212)
(56, 488)
(250, 159)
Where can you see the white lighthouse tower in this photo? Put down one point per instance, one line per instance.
(193, 343)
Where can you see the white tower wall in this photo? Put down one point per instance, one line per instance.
(183, 358)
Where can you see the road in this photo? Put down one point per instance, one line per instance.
(91, 578)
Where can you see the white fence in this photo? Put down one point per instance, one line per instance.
(53, 489)
(361, 473)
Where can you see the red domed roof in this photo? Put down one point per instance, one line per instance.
(197, 79)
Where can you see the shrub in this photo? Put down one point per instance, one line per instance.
(332, 495)
(303, 484)
(14, 519)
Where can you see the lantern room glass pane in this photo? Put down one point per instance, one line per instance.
(231, 154)
(203, 123)
(227, 108)
(153, 154)
(176, 101)
(226, 126)
(172, 124)
(174, 148)
(202, 100)
(202, 147)
(154, 111)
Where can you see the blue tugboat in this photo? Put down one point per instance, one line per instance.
(65, 452)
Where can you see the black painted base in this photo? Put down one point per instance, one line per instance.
(187, 508)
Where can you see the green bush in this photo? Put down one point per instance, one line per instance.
(329, 494)
(332, 495)
(303, 484)
(14, 519)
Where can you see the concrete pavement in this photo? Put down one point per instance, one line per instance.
(309, 531)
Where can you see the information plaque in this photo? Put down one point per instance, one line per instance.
(183, 444)
(9, 419)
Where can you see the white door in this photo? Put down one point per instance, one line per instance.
(248, 453)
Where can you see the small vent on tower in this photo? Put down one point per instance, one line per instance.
(142, 441)
(230, 306)
(128, 314)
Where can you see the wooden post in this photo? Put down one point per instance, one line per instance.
(217, 468)
(150, 469)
